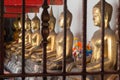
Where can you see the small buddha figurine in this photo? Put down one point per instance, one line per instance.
(57, 62)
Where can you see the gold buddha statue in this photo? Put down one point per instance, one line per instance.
(27, 29)
(109, 44)
(51, 40)
(109, 39)
(60, 39)
(36, 36)
(20, 34)
(52, 36)
(16, 35)
(57, 62)
(12, 46)
(28, 32)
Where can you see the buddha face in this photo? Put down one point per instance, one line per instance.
(68, 20)
(34, 25)
(96, 17)
(20, 25)
(27, 26)
(51, 26)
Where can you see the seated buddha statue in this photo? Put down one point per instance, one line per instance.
(51, 39)
(16, 35)
(17, 31)
(109, 39)
(36, 36)
(28, 32)
(52, 35)
(13, 45)
(109, 42)
(57, 62)
(19, 40)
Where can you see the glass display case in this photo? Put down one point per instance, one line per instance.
(59, 40)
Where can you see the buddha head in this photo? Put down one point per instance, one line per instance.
(52, 21)
(16, 24)
(20, 23)
(35, 23)
(68, 19)
(27, 23)
(97, 14)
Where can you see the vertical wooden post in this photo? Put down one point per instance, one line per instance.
(45, 32)
(65, 33)
(84, 27)
(23, 38)
(2, 52)
(102, 37)
(118, 42)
